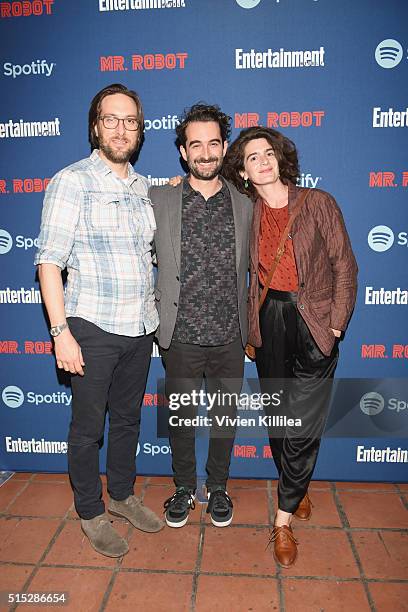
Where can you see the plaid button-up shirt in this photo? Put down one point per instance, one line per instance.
(101, 227)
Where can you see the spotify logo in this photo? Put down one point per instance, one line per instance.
(12, 396)
(372, 403)
(248, 4)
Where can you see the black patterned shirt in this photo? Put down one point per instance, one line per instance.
(208, 304)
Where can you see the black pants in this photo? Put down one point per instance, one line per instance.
(290, 354)
(223, 368)
(115, 376)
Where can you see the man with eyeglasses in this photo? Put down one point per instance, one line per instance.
(98, 223)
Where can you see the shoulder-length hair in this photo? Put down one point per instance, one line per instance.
(284, 149)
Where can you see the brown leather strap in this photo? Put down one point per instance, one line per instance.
(281, 246)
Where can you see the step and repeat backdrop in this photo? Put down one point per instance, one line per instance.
(331, 74)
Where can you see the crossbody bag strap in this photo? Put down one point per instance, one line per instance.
(281, 247)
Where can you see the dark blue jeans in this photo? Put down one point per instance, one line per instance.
(116, 369)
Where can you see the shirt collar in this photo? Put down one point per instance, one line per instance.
(187, 188)
(103, 168)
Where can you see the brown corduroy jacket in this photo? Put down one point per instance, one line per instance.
(326, 266)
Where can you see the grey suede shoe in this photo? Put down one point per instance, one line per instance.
(136, 513)
(103, 538)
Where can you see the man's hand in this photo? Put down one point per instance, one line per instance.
(175, 180)
(336, 332)
(68, 353)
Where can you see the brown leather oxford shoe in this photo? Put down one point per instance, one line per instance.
(304, 510)
(284, 545)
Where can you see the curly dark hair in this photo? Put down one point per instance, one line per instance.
(95, 109)
(284, 149)
(203, 112)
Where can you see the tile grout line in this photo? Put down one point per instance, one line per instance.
(346, 524)
(197, 569)
(17, 495)
(145, 486)
(119, 561)
(401, 530)
(43, 556)
(115, 572)
(278, 572)
(130, 570)
(402, 496)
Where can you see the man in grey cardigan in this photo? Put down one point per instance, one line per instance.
(201, 294)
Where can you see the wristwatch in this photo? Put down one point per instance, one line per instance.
(57, 329)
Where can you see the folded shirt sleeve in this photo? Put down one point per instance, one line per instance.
(59, 219)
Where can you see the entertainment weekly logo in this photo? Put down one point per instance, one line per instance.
(381, 455)
(279, 58)
(30, 129)
(385, 297)
(34, 446)
(157, 180)
(148, 61)
(23, 185)
(27, 8)
(389, 118)
(283, 119)
(139, 5)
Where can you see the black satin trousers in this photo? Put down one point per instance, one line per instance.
(290, 363)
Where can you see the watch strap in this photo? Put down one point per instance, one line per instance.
(56, 330)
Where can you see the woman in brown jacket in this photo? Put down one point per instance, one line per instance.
(307, 306)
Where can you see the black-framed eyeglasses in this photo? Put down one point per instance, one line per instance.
(111, 122)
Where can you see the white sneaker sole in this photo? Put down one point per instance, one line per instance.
(178, 524)
(223, 524)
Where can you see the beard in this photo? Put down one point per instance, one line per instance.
(203, 174)
(116, 156)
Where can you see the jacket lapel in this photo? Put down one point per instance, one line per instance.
(293, 195)
(254, 239)
(238, 225)
(174, 210)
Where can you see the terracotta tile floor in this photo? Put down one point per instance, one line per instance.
(353, 553)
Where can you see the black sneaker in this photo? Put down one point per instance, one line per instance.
(220, 507)
(178, 506)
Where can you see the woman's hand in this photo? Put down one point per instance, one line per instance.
(336, 332)
(175, 180)
(250, 352)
